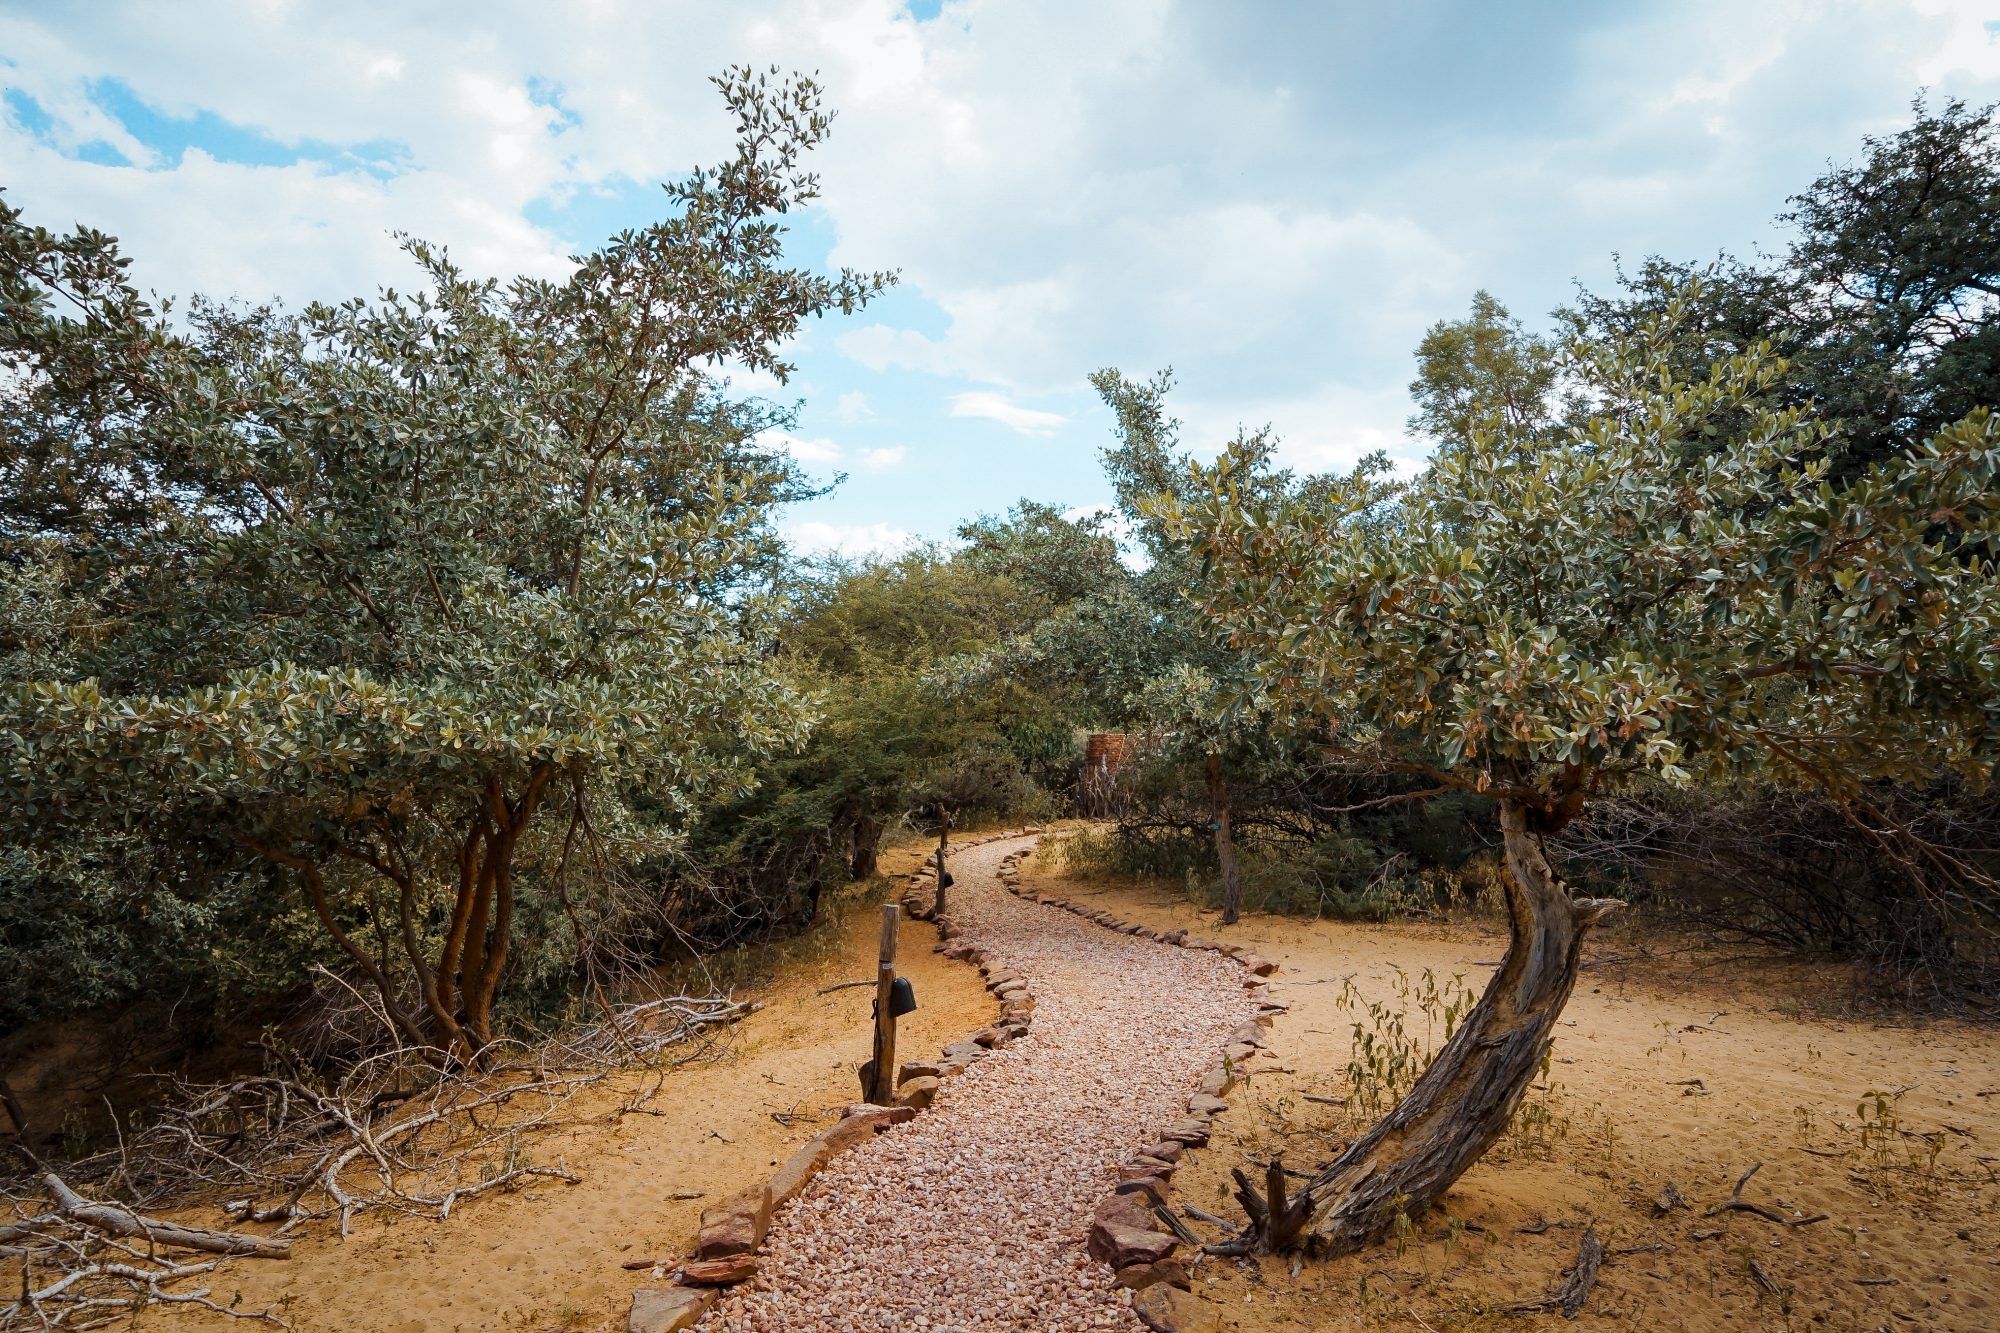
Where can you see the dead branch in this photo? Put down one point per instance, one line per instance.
(1738, 1204)
(124, 1222)
(400, 1130)
(1570, 1294)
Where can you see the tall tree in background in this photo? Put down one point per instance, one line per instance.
(1125, 648)
(1666, 587)
(1884, 303)
(363, 595)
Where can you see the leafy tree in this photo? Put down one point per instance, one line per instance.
(1472, 369)
(1666, 587)
(866, 642)
(1883, 303)
(365, 593)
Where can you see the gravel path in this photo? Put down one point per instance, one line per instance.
(973, 1215)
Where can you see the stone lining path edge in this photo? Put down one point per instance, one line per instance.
(1019, 1202)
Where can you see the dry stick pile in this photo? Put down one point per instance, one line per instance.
(974, 1215)
(396, 1132)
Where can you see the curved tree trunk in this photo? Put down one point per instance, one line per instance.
(1225, 841)
(1463, 1102)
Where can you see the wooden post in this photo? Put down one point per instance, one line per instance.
(944, 831)
(884, 1091)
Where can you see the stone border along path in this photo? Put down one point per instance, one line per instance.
(1019, 1203)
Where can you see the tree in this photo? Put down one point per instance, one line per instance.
(1484, 365)
(1666, 587)
(867, 639)
(381, 586)
(1883, 302)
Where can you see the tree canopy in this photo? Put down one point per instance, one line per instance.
(358, 591)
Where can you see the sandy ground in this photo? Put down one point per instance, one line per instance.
(1905, 1245)
(549, 1257)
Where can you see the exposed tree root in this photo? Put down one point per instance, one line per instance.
(1736, 1203)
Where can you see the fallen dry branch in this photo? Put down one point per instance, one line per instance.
(78, 1271)
(1570, 1294)
(403, 1130)
(1736, 1203)
(110, 1218)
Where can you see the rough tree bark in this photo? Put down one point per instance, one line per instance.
(1463, 1102)
(867, 846)
(1225, 841)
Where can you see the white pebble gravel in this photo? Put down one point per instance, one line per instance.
(973, 1215)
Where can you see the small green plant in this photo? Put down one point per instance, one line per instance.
(1387, 1058)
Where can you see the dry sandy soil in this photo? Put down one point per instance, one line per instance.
(1906, 1244)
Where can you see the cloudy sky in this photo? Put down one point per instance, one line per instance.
(1273, 198)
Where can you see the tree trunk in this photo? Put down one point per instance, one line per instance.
(1464, 1101)
(1225, 843)
(867, 846)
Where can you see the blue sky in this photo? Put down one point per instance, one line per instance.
(1275, 199)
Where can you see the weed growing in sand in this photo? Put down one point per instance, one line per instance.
(1894, 1160)
(1890, 1155)
(1387, 1057)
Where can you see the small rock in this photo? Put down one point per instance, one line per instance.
(1122, 1246)
(667, 1309)
(736, 1225)
(1140, 1276)
(1258, 964)
(1203, 1103)
(917, 1093)
(1166, 1150)
(1217, 1082)
(801, 1167)
(917, 1069)
(723, 1272)
(1153, 1188)
(1165, 1308)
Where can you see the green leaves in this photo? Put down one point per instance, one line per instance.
(316, 583)
(1666, 584)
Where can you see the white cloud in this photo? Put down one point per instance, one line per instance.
(880, 347)
(852, 540)
(809, 451)
(995, 407)
(1275, 206)
(876, 460)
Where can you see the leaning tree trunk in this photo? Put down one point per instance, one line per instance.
(1225, 842)
(1463, 1102)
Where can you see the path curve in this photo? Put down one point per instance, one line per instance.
(973, 1216)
